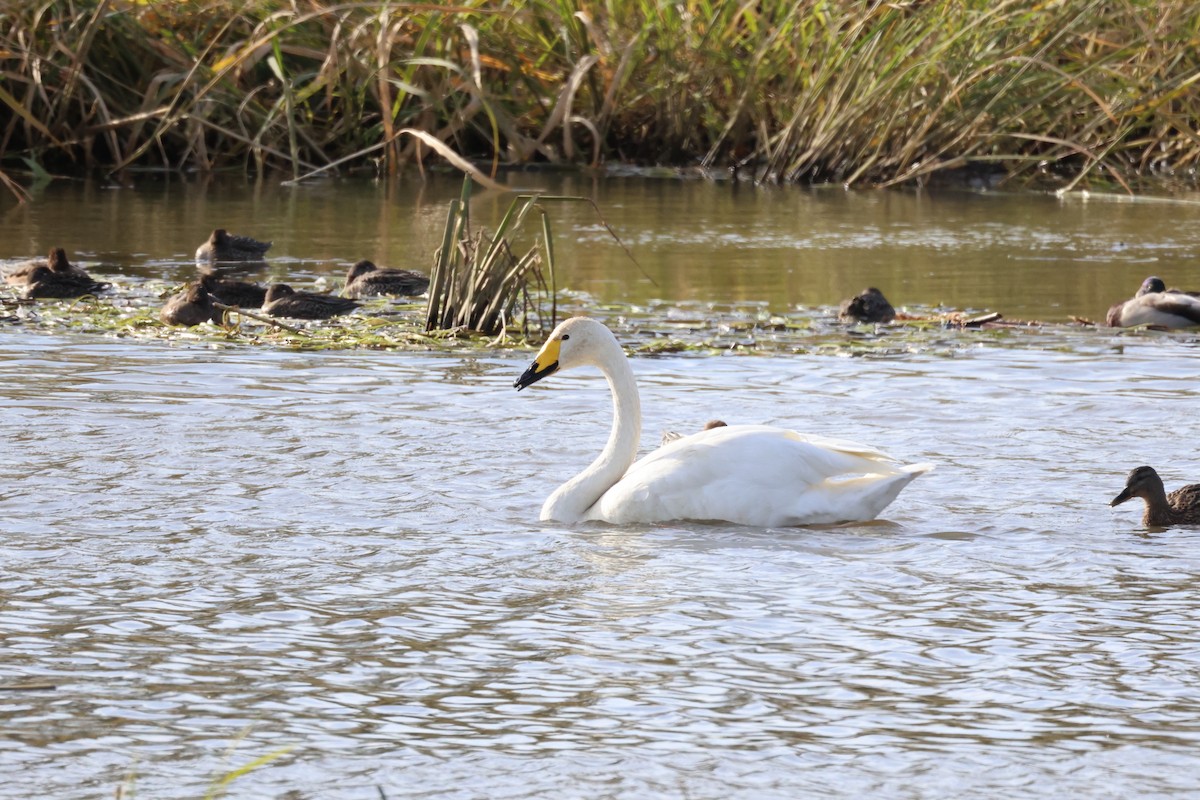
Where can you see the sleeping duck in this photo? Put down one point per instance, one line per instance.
(284, 301)
(232, 292)
(869, 305)
(1155, 307)
(1155, 284)
(56, 262)
(365, 279)
(56, 277)
(223, 246)
(192, 306)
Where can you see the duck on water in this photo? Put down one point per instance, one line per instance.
(1156, 306)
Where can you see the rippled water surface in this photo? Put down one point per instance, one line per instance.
(211, 555)
(326, 569)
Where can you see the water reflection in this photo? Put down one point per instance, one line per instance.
(1027, 256)
(215, 550)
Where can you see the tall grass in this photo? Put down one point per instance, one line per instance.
(852, 91)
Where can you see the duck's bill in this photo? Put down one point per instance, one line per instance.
(534, 374)
(1121, 498)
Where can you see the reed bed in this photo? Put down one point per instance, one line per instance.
(849, 91)
(477, 279)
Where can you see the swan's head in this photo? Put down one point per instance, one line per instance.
(1142, 482)
(577, 342)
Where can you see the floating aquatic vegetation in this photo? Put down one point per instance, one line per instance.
(130, 311)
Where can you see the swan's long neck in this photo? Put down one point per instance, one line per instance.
(571, 501)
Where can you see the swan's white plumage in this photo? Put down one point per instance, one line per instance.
(748, 474)
(755, 475)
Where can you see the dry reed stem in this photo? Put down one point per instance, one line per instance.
(814, 90)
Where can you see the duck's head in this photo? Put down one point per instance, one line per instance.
(576, 342)
(196, 294)
(361, 268)
(207, 252)
(1141, 482)
(210, 275)
(278, 290)
(1151, 285)
(58, 260)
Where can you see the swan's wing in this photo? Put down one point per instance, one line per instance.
(756, 475)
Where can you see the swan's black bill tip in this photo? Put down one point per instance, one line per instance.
(533, 375)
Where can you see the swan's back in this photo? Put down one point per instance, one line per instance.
(756, 475)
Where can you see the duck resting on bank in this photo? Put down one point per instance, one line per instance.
(1155, 307)
(284, 301)
(192, 306)
(1155, 284)
(232, 292)
(224, 247)
(55, 278)
(745, 474)
(45, 283)
(56, 262)
(1180, 507)
(365, 279)
(868, 306)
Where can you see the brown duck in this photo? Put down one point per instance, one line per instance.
(192, 306)
(233, 292)
(56, 263)
(868, 306)
(44, 282)
(1180, 507)
(225, 246)
(1154, 284)
(284, 301)
(1156, 306)
(365, 279)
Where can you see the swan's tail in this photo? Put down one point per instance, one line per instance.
(860, 498)
(880, 491)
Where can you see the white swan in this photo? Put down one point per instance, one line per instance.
(746, 474)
